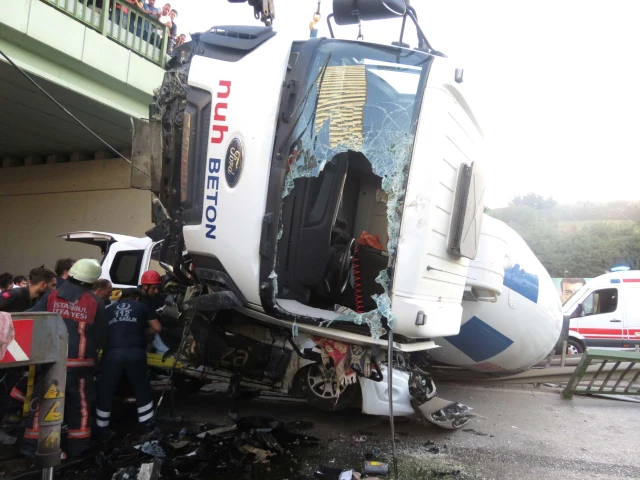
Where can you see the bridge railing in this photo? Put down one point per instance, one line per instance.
(122, 22)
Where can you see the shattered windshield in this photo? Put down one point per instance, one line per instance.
(363, 98)
(358, 97)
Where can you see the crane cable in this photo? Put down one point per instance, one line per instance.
(78, 121)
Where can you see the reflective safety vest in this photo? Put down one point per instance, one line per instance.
(79, 317)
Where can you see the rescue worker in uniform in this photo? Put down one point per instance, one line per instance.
(150, 284)
(151, 296)
(81, 311)
(125, 355)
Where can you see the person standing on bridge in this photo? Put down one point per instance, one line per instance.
(82, 311)
(125, 355)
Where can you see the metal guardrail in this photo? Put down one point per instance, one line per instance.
(42, 339)
(122, 22)
(558, 369)
(617, 374)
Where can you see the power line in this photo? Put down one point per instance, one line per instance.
(28, 77)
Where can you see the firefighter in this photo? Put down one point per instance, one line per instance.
(125, 355)
(81, 311)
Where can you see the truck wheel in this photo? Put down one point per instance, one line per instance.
(575, 347)
(318, 386)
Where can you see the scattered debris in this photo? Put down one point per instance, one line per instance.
(261, 456)
(376, 468)
(174, 448)
(432, 447)
(6, 439)
(217, 431)
(150, 471)
(125, 474)
(475, 432)
(152, 449)
(332, 473)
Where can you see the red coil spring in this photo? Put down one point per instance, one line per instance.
(357, 286)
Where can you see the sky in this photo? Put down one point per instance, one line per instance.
(554, 84)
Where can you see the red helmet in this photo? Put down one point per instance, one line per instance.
(151, 277)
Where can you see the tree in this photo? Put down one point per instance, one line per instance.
(584, 240)
(533, 200)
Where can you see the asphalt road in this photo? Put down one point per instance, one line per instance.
(520, 433)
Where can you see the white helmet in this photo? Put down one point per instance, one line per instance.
(86, 270)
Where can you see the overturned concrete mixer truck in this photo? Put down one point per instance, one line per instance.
(317, 204)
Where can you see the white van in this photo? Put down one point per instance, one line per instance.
(125, 258)
(605, 312)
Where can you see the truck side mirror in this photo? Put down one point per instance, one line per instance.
(352, 12)
(468, 208)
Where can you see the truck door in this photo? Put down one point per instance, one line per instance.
(124, 265)
(632, 315)
(600, 318)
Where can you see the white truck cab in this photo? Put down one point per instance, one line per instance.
(605, 312)
(274, 162)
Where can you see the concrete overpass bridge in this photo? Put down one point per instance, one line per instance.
(101, 59)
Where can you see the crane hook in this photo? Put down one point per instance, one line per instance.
(312, 25)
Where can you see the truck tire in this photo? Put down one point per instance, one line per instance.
(318, 387)
(575, 346)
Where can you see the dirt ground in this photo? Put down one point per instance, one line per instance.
(521, 433)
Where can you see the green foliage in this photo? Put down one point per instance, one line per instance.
(581, 240)
(533, 200)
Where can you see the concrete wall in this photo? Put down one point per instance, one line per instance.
(39, 202)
